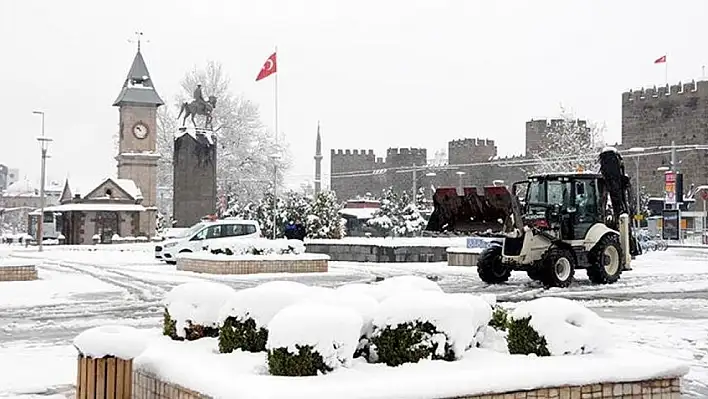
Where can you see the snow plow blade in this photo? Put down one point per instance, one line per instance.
(471, 212)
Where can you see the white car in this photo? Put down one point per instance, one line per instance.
(206, 233)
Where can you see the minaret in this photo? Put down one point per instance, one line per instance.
(318, 161)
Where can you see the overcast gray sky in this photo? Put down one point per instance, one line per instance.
(376, 73)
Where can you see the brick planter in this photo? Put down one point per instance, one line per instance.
(149, 386)
(9, 272)
(225, 264)
(462, 256)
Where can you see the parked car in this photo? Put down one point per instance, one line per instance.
(206, 233)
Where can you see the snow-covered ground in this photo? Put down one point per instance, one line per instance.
(660, 306)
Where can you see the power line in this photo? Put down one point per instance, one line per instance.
(657, 150)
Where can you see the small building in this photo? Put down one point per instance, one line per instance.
(357, 213)
(112, 207)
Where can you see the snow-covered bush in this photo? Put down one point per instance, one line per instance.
(307, 339)
(192, 310)
(257, 246)
(410, 223)
(556, 326)
(399, 284)
(245, 316)
(500, 319)
(363, 303)
(416, 325)
(323, 220)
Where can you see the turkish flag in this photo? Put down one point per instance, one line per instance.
(270, 67)
(659, 60)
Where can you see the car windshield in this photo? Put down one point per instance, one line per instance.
(549, 192)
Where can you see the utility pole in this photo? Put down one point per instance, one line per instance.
(40, 224)
(636, 163)
(415, 178)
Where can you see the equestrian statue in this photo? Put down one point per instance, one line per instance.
(198, 107)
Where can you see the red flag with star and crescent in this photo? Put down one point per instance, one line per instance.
(660, 60)
(270, 67)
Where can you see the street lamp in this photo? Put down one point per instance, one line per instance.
(637, 150)
(275, 158)
(459, 175)
(44, 142)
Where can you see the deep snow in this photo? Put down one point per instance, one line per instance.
(661, 306)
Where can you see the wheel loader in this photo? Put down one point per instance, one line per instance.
(548, 225)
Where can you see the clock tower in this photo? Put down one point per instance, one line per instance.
(137, 138)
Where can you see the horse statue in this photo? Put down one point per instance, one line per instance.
(198, 108)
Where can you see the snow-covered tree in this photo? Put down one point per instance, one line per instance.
(323, 220)
(245, 148)
(297, 206)
(410, 222)
(569, 144)
(421, 202)
(387, 217)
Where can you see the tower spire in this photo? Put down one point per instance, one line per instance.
(318, 161)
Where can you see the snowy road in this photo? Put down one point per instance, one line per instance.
(662, 305)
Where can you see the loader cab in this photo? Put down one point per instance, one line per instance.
(565, 204)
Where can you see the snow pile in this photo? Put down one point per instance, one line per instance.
(112, 340)
(452, 315)
(402, 284)
(257, 246)
(262, 302)
(196, 303)
(365, 305)
(332, 331)
(568, 327)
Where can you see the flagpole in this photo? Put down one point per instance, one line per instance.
(666, 68)
(275, 167)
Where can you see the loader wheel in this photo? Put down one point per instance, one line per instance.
(490, 267)
(558, 268)
(606, 261)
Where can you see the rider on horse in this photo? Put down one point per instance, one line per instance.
(199, 98)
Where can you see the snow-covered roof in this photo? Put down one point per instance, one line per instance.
(129, 187)
(359, 213)
(94, 207)
(25, 188)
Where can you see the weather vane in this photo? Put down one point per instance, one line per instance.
(138, 36)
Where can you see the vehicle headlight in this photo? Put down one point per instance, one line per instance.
(170, 245)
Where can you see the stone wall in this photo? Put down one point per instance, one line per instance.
(379, 254)
(461, 258)
(147, 386)
(18, 273)
(242, 266)
(194, 178)
(655, 117)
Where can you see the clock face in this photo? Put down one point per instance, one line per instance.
(140, 131)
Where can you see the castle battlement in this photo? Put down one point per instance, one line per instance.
(352, 152)
(406, 151)
(467, 143)
(662, 92)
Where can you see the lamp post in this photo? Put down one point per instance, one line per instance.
(637, 150)
(416, 178)
(460, 190)
(44, 141)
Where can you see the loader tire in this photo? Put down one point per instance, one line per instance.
(490, 267)
(606, 261)
(558, 268)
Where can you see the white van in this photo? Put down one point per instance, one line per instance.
(206, 233)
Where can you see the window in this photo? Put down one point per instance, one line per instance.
(201, 235)
(48, 217)
(213, 232)
(235, 230)
(558, 192)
